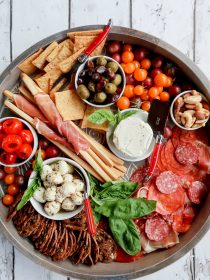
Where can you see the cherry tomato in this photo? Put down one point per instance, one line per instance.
(136, 64)
(43, 154)
(138, 90)
(164, 96)
(156, 97)
(168, 82)
(12, 126)
(140, 74)
(52, 151)
(2, 136)
(127, 56)
(160, 89)
(11, 143)
(167, 132)
(19, 180)
(11, 158)
(157, 62)
(170, 70)
(146, 63)
(123, 103)
(140, 54)
(9, 179)
(130, 79)
(129, 68)
(2, 174)
(13, 189)
(28, 173)
(114, 47)
(1, 127)
(127, 47)
(129, 91)
(3, 157)
(117, 57)
(148, 82)
(144, 96)
(123, 65)
(43, 143)
(161, 80)
(155, 72)
(146, 106)
(8, 200)
(10, 170)
(174, 90)
(153, 92)
(25, 151)
(26, 136)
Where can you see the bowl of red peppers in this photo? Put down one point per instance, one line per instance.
(18, 142)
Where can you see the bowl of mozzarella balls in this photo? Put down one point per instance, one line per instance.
(61, 194)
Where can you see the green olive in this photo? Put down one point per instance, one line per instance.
(91, 86)
(83, 92)
(110, 88)
(113, 66)
(101, 61)
(100, 97)
(105, 79)
(117, 79)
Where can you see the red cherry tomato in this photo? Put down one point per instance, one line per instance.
(43, 154)
(155, 72)
(52, 151)
(3, 157)
(43, 144)
(147, 83)
(12, 126)
(27, 136)
(2, 174)
(157, 62)
(140, 54)
(11, 158)
(8, 200)
(10, 170)
(19, 180)
(117, 57)
(25, 151)
(9, 179)
(11, 143)
(13, 189)
(114, 47)
(28, 173)
(174, 90)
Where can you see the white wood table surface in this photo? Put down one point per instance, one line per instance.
(182, 23)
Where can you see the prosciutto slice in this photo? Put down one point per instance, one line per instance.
(65, 128)
(24, 105)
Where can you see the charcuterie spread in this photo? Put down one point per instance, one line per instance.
(123, 218)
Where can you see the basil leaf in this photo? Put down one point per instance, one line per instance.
(39, 163)
(101, 116)
(107, 208)
(118, 190)
(127, 114)
(126, 235)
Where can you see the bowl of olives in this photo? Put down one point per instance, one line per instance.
(100, 81)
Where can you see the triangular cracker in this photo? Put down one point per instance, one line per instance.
(68, 63)
(71, 35)
(46, 81)
(26, 66)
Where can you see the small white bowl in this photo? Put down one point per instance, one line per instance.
(35, 142)
(82, 66)
(172, 111)
(61, 215)
(142, 115)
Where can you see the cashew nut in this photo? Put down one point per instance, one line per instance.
(195, 92)
(193, 99)
(177, 107)
(198, 106)
(187, 118)
(191, 106)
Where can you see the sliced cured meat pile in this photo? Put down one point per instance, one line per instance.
(167, 182)
(156, 229)
(197, 192)
(187, 153)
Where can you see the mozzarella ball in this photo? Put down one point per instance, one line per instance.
(62, 167)
(79, 185)
(68, 178)
(50, 193)
(46, 171)
(55, 178)
(52, 207)
(47, 184)
(77, 198)
(59, 195)
(68, 189)
(68, 204)
(39, 195)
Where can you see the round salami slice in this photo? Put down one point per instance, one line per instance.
(156, 229)
(197, 192)
(187, 153)
(167, 182)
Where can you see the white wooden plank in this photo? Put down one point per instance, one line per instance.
(35, 20)
(6, 259)
(5, 34)
(98, 12)
(169, 20)
(202, 38)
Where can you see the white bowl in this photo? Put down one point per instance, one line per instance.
(61, 215)
(35, 142)
(82, 66)
(142, 115)
(172, 111)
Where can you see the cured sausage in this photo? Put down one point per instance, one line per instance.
(156, 229)
(197, 192)
(167, 182)
(187, 153)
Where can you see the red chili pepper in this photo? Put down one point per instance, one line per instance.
(11, 143)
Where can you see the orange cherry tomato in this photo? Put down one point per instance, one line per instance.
(153, 92)
(127, 47)
(127, 56)
(136, 64)
(10, 170)
(43, 154)
(9, 179)
(129, 91)
(146, 106)
(8, 200)
(144, 97)
(13, 189)
(160, 89)
(146, 63)
(160, 80)
(123, 103)
(138, 90)
(164, 96)
(157, 97)
(129, 68)
(140, 74)
(168, 82)
(123, 66)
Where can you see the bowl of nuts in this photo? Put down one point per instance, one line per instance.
(190, 110)
(100, 81)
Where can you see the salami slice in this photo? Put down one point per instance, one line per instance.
(197, 192)
(187, 153)
(138, 175)
(167, 182)
(156, 229)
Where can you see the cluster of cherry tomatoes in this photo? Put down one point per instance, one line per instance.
(16, 142)
(148, 76)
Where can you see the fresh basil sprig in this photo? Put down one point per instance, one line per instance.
(35, 183)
